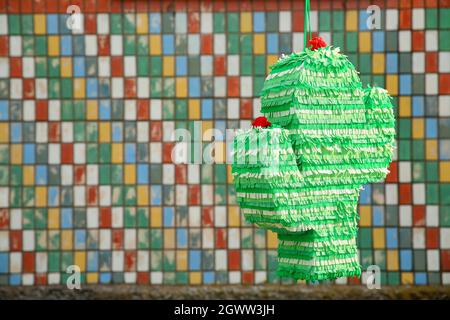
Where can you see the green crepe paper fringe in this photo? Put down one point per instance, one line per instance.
(329, 137)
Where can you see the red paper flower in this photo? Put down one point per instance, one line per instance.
(261, 122)
(316, 43)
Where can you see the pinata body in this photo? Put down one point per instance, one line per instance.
(341, 136)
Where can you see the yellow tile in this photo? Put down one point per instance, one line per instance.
(16, 154)
(378, 63)
(229, 174)
(39, 24)
(365, 42)
(142, 23)
(404, 107)
(407, 278)
(53, 46)
(66, 67)
(351, 20)
(392, 260)
(246, 22)
(28, 175)
(78, 87)
(195, 277)
(366, 216)
(431, 149)
(234, 218)
(444, 170)
(40, 196)
(168, 66)
(130, 174)
(181, 87)
(219, 152)
(104, 129)
(155, 217)
(207, 125)
(53, 218)
(143, 195)
(66, 239)
(92, 110)
(418, 129)
(169, 238)
(271, 59)
(155, 45)
(194, 109)
(92, 277)
(272, 241)
(392, 84)
(181, 260)
(80, 260)
(378, 238)
(117, 153)
(259, 43)
(4, 132)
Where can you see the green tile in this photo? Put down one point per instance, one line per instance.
(404, 150)
(444, 21)
(13, 24)
(246, 43)
(129, 45)
(324, 20)
(246, 65)
(418, 172)
(418, 149)
(404, 128)
(444, 216)
(233, 44)
(272, 22)
(338, 20)
(431, 18)
(445, 193)
(27, 24)
(233, 22)
(219, 22)
(351, 43)
(115, 23)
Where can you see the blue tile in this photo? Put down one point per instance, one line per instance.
(15, 279)
(391, 63)
(4, 110)
(378, 216)
(156, 195)
(182, 238)
(29, 153)
(378, 41)
(181, 65)
(130, 152)
(80, 239)
(16, 132)
(169, 217)
(431, 127)
(92, 261)
(143, 174)
(154, 23)
(391, 238)
(53, 196)
(208, 277)
(194, 87)
(221, 125)
(420, 278)
(79, 67)
(52, 23)
(418, 103)
(207, 109)
(405, 260)
(363, 15)
(66, 218)
(41, 175)
(117, 132)
(4, 262)
(168, 43)
(92, 87)
(194, 259)
(259, 21)
(105, 110)
(365, 195)
(66, 45)
(405, 84)
(105, 277)
(272, 43)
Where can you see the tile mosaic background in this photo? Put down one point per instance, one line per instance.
(86, 120)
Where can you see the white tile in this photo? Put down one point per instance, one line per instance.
(233, 65)
(92, 219)
(142, 131)
(234, 277)
(297, 41)
(130, 239)
(419, 238)
(28, 67)
(446, 278)
(206, 22)
(404, 171)
(181, 194)
(194, 216)
(66, 175)
(116, 45)
(4, 241)
(285, 21)
(105, 239)
(41, 131)
(444, 61)
(260, 277)
(3, 24)
(431, 40)
(67, 131)
(433, 260)
(180, 22)
(130, 112)
(105, 195)
(4, 67)
(404, 41)
(233, 109)
(156, 277)
(15, 263)
(92, 174)
(29, 110)
(155, 109)
(206, 65)
(15, 46)
(193, 173)
(117, 217)
(15, 219)
(117, 260)
(247, 260)
(220, 216)
(418, 18)
(313, 18)
(143, 87)
(445, 238)
(220, 43)
(102, 23)
(16, 89)
(391, 19)
(90, 44)
(129, 66)
(41, 88)
(405, 216)
(117, 87)
(419, 193)
(28, 240)
(246, 87)
(234, 238)
(168, 173)
(418, 62)
(54, 153)
(207, 194)
(207, 238)
(221, 261)
(220, 87)
(155, 152)
(41, 262)
(104, 66)
(143, 261)
(79, 196)
(431, 83)
(54, 110)
(168, 128)
(432, 216)
(444, 106)
(4, 197)
(54, 278)
(27, 279)
(193, 44)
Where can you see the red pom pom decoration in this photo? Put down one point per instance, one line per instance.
(261, 122)
(316, 43)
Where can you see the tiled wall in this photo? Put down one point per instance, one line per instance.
(86, 120)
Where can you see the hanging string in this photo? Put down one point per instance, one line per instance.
(307, 24)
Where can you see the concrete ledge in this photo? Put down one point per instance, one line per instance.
(226, 292)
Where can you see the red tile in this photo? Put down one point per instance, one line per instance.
(353, 280)
(41, 110)
(40, 279)
(248, 277)
(207, 217)
(66, 153)
(180, 5)
(79, 174)
(54, 131)
(180, 174)
(418, 40)
(4, 46)
(418, 3)
(52, 6)
(143, 278)
(128, 6)
(167, 152)
(90, 23)
(246, 6)
(194, 194)
(26, 6)
(219, 6)
(105, 217)
(28, 262)
(405, 193)
(104, 45)
(13, 6)
(206, 44)
(117, 66)
(325, 4)
(155, 131)
(234, 259)
(219, 65)
(233, 86)
(233, 5)
(246, 110)
(143, 110)
(28, 88)
(193, 22)
(130, 260)
(432, 4)
(193, 6)
(431, 59)
(445, 260)
(297, 21)
(405, 19)
(15, 66)
(392, 4)
(4, 218)
(393, 174)
(117, 235)
(221, 238)
(130, 87)
(419, 215)
(103, 5)
(444, 83)
(432, 238)
(405, 3)
(92, 195)
(155, 6)
(272, 5)
(3, 5)
(90, 6)
(205, 5)
(141, 6)
(39, 6)
(339, 4)
(15, 240)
